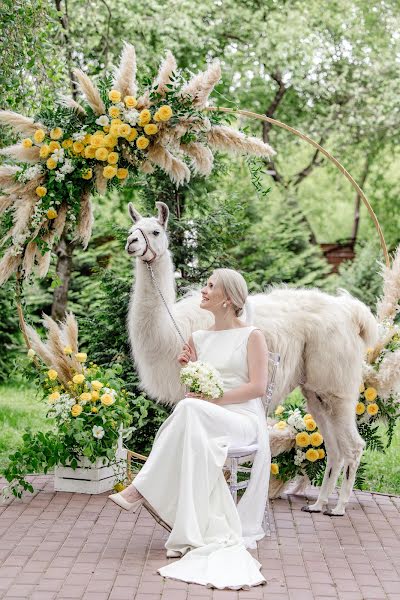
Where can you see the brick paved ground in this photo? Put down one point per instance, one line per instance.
(64, 546)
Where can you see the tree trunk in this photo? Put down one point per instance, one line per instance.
(64, 252)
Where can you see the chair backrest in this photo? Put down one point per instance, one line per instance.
(273, 362)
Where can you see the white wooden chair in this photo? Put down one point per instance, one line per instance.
(236, 454)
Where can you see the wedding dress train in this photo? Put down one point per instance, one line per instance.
(184, 482)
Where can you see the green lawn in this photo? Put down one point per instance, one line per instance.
(20, 409)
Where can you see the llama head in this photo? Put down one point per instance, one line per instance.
(147, 238)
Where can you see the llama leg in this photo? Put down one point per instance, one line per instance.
(334, 463)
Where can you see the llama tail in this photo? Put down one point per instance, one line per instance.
(363, 317)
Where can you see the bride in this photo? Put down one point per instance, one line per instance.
(182, 479)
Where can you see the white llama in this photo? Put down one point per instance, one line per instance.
(321, 340)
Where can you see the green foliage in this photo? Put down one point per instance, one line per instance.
(9, 332)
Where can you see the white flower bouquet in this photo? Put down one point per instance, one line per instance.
(201, 378)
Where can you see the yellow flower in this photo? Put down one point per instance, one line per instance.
(51, 163)
(112, 158)
(274, 468)
(279, 409)
(150, 129)
(302, 439)
(52, 213)
(109, 172)
(312, 455)
(101, 153)
(56, 133)
(307, 416)
(96, 141)
(41, 191)
(107, 399)
(78, 147)
(67, 350)
(78, 378)
(95, 395)
(122, 173)
(130, 101)
(156, 117)
(110, 141)
(310, 424)
(99, 132)
(88, 174)
(27, 143)
(76, 410)
(133, 135)
(54, 396)
(164, 112)
(321, 453)
(124, 130)
(54, 146)
(316, 438)
(114, 112)
(360, 408)
(86, 396)
(87, 138)
(118, 487)
(81, 357)
(90, 152)
(44, 151)
(114, 131)
(144, 117)
(94, 409)
(361, 389)
(280, 425)
(114, 95)
(39, 136)
(97, 385)
(67, 143)
(52, 374)
(372, 409)
(116, 122)
(370, 394)
(142, 142)
(106, 128)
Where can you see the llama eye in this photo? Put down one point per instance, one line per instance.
(156, 232)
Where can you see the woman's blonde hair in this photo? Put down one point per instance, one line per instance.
(234, 286)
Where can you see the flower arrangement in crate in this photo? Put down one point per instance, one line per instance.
(117, 132)
(87, 404)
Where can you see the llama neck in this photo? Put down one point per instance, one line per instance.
(146, 300)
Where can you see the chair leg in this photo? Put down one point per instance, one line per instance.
(233, 481)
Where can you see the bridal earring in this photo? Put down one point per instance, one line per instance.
(224, 305)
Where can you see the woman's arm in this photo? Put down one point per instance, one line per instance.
(257, 360)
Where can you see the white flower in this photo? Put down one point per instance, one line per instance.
(98, 432)
(59, 176)
(202, 378)
(32, 172)
(68, 166)
(79, 135)
(131, 116)
(103, 121)
(31, 353)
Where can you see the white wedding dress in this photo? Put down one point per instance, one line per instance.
(184, 482)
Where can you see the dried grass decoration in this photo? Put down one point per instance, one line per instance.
(74, 148)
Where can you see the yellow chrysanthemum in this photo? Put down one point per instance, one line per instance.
(302, 439)
(124, 130)
(101, 153)
(27, 143)
(144, 117)
(51, 163)
(116, 122)
(361, 389)
(67, 350)
(110, 141)
(109, 172)
(76, 410)
(156, 117)
(130, 101)
(308, 416)
(274, 468)
(280, 425)
(39, 136)
(142, 142)
(54, 396)
(114, 95)
(95, 409)
(310, 424)
(44, 151)
(78, 378)
(86, 396)
(96, 141)
(312, 455)
(372, 409)
(114, 131)
(54, 146)
(112, 158)
(114, 112)
(316, 438)
(164, 112)
(81, 357)
(133, 135)
(107, 399)
(97, 385)
(95, 395)
(360, 408)
(150, 129)
(370, 394)
(41, 191)
(56, 133)
(78, 147)
(52, 213)
(279, 409)
(52, 374)
(88, 174)
(321, 453)
(90, 152)
(67, 143)
(122, 173)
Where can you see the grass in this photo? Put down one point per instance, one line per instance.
(20, 410)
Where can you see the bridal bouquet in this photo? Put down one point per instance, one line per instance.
(201, 378)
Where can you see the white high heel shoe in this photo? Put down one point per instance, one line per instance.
(120, 500)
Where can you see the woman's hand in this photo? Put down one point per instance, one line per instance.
(186, 355)
(196, 395)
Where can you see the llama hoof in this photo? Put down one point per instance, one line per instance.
(329, 512)
(309, 509)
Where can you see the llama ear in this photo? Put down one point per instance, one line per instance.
(163, 213)
(133, 213)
